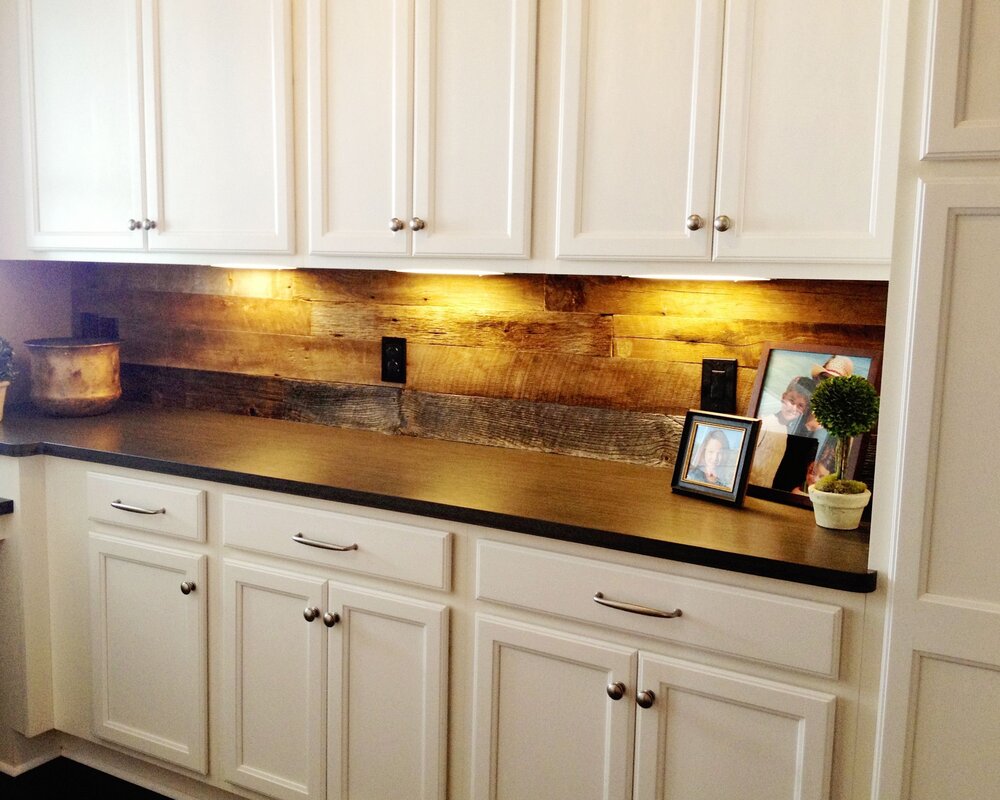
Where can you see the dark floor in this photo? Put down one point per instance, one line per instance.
(62, 778)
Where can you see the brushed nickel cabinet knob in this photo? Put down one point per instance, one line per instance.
(616, 691)
(330, 619)
(695, 223)
(147, 224)
(417, 224)
(187, 587)
(396, 224)
(645, 699)
(134, 224)
(723, 223)
(310, 613)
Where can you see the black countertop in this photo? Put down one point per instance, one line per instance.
(617, 506)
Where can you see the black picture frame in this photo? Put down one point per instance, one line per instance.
(786, 463)
(713, 459)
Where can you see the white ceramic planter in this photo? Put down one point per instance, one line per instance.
(841, 512)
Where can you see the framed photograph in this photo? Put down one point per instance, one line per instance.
(793, 450)
(713, 459)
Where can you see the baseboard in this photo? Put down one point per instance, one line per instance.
(136, 770)
(13, 770)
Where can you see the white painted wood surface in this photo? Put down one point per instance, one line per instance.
(963, 108)
(779, 630)
(421, 109)
(182, 510)
(143, 110)
(274, 697)
(940, 722)
(544, 723)
(716, 735)
(150, 649)
(405, 553)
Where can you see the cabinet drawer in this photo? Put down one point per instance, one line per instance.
(386, 549)
(800, 634)
(147, 506)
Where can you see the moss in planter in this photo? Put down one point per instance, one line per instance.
(836, 485)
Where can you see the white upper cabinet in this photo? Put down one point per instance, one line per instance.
(420, 127)
(963, 108)
(742, 131)
(159, 125)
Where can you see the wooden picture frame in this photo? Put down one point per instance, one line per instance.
(792, 450)
(713, 460)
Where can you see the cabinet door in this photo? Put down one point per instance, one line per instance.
(388, 677)
(82, 111)
(360, 81)
(150, 649)
(545, 725)
(474, 78)
(274, 666)
(963, 114)
(716, 735)
(809, 129)
(940, 716)
(218, 124)
(639, 119)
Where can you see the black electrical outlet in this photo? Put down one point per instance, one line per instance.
(393, 359)
(718, 385)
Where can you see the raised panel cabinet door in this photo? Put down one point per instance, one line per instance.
(360, 118)
(638, 127)
(809, 130)
(82, 109)
(716, 735)
(274, 670)
(939, 729)
(963, 114)
(388, 688)
(218, 122)
(545, 722)
(150, 649)
(474, 88)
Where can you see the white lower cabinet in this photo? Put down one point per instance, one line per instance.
(332, 690)
(150, 649)
(569, 718)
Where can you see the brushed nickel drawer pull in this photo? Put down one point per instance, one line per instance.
(646, 611)
(136, 509)
(340, 548)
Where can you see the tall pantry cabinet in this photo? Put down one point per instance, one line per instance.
(939, 731)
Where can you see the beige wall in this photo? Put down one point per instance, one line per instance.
(34, 302)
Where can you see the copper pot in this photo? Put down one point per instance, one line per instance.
(74, 377)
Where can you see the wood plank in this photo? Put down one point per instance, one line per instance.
(287, 356)
(214, 312)
(495, 293)
(567, 379)
(584, 334)
(741, 332)
(613, 435)
(363, 407)
(861, 302)
(184, 278)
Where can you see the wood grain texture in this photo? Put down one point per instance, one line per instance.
(209, 311)
(584, 334)
(568, 364)
(496, 293)
(650, 439)
(795, 301)
(271, 283)
(374, 408)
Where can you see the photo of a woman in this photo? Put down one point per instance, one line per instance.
(713, 459)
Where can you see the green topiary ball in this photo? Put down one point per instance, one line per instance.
(845, 405)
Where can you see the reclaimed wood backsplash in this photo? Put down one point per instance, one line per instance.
(594, 366)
